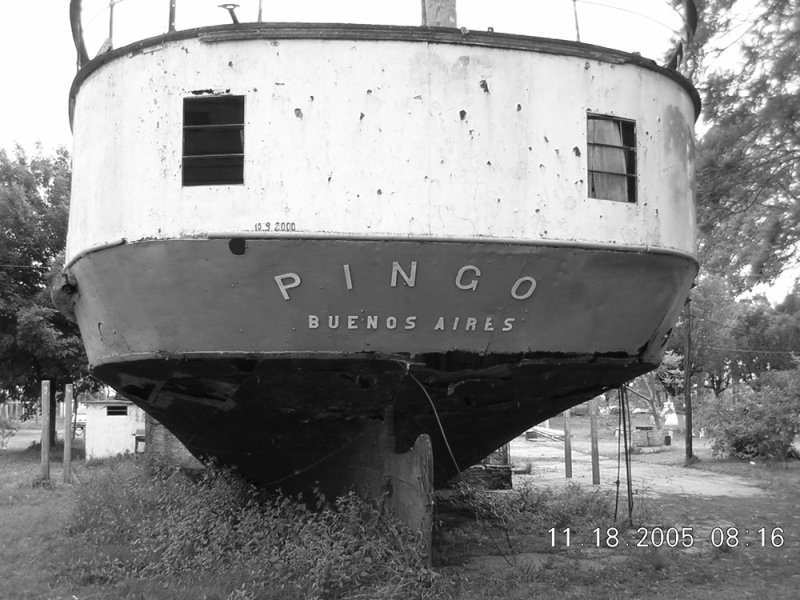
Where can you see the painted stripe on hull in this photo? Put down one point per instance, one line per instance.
(326, 296)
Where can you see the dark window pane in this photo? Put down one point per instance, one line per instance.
(214, 110)
(213, 170)
(213, 140)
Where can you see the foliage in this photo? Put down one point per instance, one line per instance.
(670, 373)
(268, 546)
(8, 428)
(36, 341)
(531, 508)
(735, 340)
(754, 423)
(666, 382)
(644, 388)
(745, 65)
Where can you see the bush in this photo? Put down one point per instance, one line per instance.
(266, 546)
(753, 423)
(8, 427)
(531, 508)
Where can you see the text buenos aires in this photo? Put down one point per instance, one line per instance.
(466, 279)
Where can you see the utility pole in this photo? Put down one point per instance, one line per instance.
(687, 382)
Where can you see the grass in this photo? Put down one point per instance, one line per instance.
(131, 531)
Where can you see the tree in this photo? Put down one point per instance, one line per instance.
(748, 161)
(715, 314)
(759, 421)
(36, 341)
(645, 389)
(736, 340)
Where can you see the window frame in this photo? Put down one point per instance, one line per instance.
(117, 410)
(228, 165)
(628, 145)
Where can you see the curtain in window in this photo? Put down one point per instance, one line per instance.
(607, 171)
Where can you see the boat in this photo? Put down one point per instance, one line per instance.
(312, 249)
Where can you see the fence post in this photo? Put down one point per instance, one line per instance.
(593, 433)
(68, 433)
(567, 446)
(46, 416)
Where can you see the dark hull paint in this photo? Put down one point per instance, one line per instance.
(219, 344)
(291, 421)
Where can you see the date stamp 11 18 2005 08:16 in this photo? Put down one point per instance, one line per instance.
(671, 537)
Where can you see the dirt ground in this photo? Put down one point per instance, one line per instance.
(744, 519)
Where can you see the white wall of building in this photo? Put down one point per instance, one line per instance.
(111, 434)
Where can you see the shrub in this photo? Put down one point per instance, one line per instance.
(267, 546)
(747, 423)
(8, 427)
(529, 508)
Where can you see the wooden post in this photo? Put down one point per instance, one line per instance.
(567, 446)
(593, 434)
(46, 416)
(68, 433)
(687, 384)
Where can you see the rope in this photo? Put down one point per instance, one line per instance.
(438, 420)
(623, 429)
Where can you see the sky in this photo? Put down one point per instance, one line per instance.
(37, 64)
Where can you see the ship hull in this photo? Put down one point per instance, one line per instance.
(280, 355)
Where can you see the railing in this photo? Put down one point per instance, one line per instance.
(656, 29)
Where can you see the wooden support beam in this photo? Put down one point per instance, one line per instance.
(593, 434)
(567, 446)
(68, 433)
(46, 417)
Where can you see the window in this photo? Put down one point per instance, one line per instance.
(612, 158)
(117, 411)
(213, 140)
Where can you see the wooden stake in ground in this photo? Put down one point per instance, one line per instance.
(567, 446)
(593, 434)
(68, 433)
(687, 385)
(46, 416)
